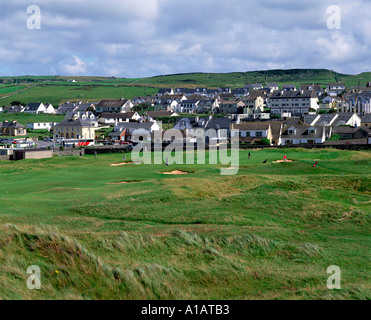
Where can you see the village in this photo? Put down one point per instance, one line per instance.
(265, 115)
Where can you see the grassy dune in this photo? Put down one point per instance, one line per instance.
(131, 232)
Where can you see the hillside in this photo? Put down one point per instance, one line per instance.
(56, 89)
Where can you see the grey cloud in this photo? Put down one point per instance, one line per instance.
(150, 37)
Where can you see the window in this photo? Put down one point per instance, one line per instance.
(259, 133)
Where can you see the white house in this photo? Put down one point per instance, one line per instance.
(49, 109)
(36, 108)
(187, 106)
(41, 125)
(114, 118)
(253, 131)
(124, 131)
(335, 88)
(296, 102)
(303, 134)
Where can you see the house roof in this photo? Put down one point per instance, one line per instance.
(12, 125)
(33, 106)
(111, 103)
(336, 84)
(219, 123)
(366, 118)
(252, 126)
(75, 123)
(309, 118)
(135, 125)
(349, 130)
(302, 131)
(157, 114)
(127, 115)
(293, 121)
(293, 94)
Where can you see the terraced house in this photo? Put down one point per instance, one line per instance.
(297, 103)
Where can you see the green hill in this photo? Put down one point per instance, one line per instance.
(56, 89)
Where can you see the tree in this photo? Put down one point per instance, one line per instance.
(16, 103)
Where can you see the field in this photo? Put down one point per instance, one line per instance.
(56, 94)
(99, 231)
(56, 89)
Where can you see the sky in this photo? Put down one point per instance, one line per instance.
(139, 38)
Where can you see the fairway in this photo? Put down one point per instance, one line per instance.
(99, 229)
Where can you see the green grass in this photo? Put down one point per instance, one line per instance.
(25, 118)
(56, 94)
(56, 89)
(9, 89)
(269, 232)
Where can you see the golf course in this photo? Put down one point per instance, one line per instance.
(100, 229)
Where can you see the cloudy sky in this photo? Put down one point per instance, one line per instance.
(136, 38)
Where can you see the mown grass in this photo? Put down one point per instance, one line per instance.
(269, 232)
(56, 94)
(25, 118)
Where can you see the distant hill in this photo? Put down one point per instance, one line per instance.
(239, 79)
(212, 80)
(56, 89)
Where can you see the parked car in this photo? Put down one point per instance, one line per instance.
(124, 142)
(48, 139)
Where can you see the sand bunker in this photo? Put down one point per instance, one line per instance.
(283, 161)
(176, 172)
(123, 182)
(121, 164)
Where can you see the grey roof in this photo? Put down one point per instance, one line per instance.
(219, 123)
(310, 118)
(366, 118)
(33, 106)
(156, 114)
(75, 123)
(303, 132)
(127, 115)
(293, 122)
(12, 125)
(293, 94)
(252, 126)
(111, 103)
(135, 125)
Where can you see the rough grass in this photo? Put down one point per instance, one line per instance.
(269, 232)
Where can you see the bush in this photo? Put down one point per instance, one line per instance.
(265, 142)
(335, 137)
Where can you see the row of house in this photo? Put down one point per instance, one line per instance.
(291, 131)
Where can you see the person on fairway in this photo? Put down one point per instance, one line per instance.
(95, 154)
(249, 156)
(285, 158)
(124, 157)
